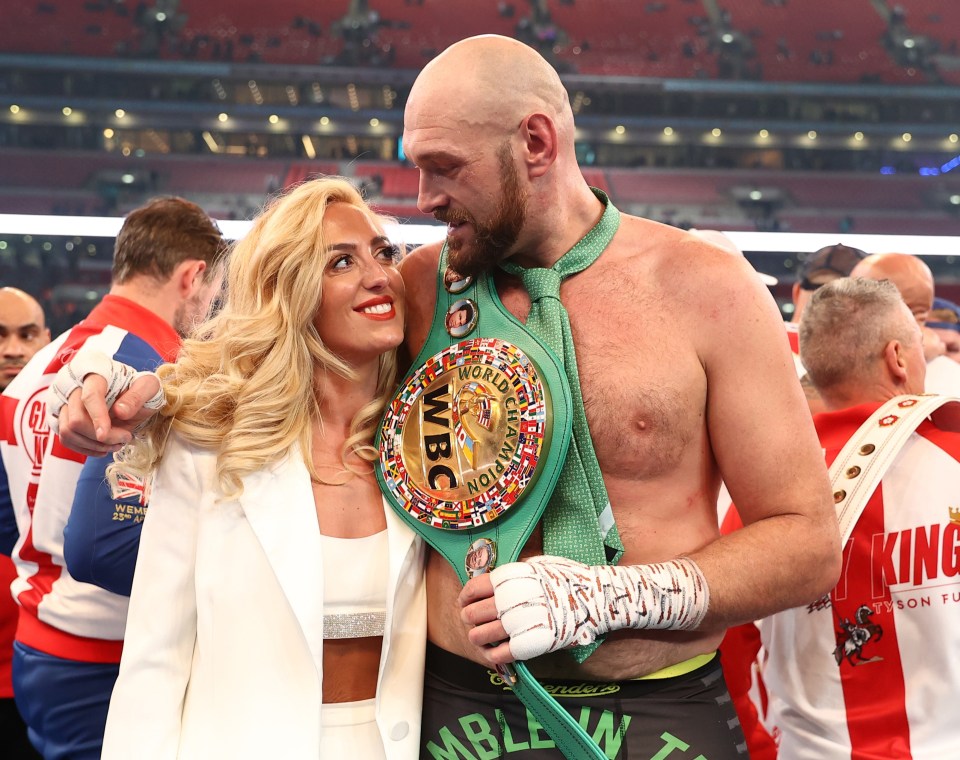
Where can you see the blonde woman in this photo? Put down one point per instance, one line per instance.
(278, 607)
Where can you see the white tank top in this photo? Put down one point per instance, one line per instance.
(355, 574)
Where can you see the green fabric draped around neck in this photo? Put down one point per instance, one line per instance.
(578, 522)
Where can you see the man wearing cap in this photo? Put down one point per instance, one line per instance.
(822, 266)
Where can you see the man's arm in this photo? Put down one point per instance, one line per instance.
(766, 449)
(102, 534)
(765, 445)
(89, 427)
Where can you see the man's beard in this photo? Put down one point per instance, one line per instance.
(492, 239)
(188, 317)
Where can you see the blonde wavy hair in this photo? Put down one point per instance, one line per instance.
(245, 385)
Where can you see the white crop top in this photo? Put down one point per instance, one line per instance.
(355, 572)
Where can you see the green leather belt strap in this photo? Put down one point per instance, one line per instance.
(471, 313)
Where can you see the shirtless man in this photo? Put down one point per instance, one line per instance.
(659, 319)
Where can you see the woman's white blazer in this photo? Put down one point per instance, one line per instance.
(222, 655)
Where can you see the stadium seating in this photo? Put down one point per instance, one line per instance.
(679, 39)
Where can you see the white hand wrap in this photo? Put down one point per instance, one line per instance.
(89, 361)
(549, 603)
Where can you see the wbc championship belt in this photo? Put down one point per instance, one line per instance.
(475, 437)
(471, 447)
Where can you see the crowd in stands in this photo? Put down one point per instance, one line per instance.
(823, 41)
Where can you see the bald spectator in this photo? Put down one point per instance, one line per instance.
(909, 273)
(914, 280)
(23, 332)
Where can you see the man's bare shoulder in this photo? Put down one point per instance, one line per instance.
(683, 267)
(642, 240)
(419, 269)
(420, 264)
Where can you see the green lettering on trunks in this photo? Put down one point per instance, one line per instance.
(477, 731)
(509, 745)
(452, 748)
(605, 735)
(479, 734)
(672, 743)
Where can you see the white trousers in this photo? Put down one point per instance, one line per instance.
(350, 731)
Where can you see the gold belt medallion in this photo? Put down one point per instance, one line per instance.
(461, 441)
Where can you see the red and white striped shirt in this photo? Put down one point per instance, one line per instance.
(58, 614)
(872, 672)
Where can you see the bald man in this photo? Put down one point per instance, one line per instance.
(686, 380)
(497, 164)
(23, 332)
(914, 280)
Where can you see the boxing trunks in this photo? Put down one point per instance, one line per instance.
(468, 711)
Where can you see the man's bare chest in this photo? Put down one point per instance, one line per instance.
(643, 387)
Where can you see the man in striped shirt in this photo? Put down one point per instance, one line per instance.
(166, 271)
(869, 671)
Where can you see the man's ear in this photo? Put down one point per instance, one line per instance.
(895, 361)
(188, 277)
(540, 140)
